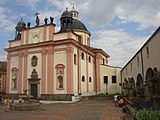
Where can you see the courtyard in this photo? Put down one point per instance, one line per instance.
(84, 110)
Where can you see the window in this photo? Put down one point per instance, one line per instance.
(74, 14)
(131, 66)
(114, 79)
(120, 84)
(79, 39)
(103, 61)
(138, 61)
(89, 59)
(90, 79)
(0, 86)
(82, 55)
(126, 71)
(74, 58)
(0, 76)
(105, 79)
(147, 52)
(83, 78)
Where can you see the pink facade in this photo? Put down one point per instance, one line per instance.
(45, 62)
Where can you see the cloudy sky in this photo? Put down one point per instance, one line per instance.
(119, 27)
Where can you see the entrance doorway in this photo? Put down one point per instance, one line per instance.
(34, 91)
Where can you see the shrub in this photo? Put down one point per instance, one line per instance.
(147, 114)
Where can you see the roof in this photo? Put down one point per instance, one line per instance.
(157, 30)
(66, 13)
(76, 24)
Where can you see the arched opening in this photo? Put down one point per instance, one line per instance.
(148, 82)
(139, 85)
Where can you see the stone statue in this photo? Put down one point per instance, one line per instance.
(14, 78)
(28, 25)
(34, 74)
(51, 19)
(37, 20)
(60, 80)
(138, 88)
(45, 20)
(156, 82)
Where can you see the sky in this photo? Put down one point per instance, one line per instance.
(119, 27)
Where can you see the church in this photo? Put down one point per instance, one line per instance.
(61, 65)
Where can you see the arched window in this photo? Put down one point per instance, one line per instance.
(75, 59)
(89, 59)
(90, 79)
(83, 78)
(82, 55)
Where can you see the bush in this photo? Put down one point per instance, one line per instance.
(147, 114)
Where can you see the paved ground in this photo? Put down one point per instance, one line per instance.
(85, 110)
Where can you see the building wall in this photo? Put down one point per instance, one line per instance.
(110, 71)
(3, 67)
(146, 60)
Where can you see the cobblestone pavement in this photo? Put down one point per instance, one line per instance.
(85, 110)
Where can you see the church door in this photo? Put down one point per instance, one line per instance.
(34, 91)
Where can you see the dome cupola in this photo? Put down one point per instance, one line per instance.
(20, 26)
(66, 20)
(74, 13)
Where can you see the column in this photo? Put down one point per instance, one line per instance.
(98, 72)
(50, 72)
(8, 82)
(87, 73)
(43, 80)
(19, 86)
(25, 79)
(69, 51)
(79, 72)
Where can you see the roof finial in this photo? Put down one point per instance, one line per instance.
(66, 8)
(36, 14)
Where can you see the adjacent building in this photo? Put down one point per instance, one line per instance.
(60, 65)
(138, 74)
(3, 74)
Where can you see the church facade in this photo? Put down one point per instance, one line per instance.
(60, 65)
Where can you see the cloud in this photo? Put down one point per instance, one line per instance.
(120, 45)
(102, 12)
